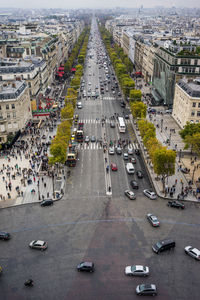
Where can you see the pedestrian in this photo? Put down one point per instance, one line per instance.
(45, 184)
(175, 181)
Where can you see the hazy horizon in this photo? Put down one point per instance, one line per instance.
(97, 4)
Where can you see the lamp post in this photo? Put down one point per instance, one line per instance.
(193, 173)
(39, 192)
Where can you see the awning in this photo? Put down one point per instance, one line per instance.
(73, 70)
(61, 69)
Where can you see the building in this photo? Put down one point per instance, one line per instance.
(173, 62)
(186, 106)
(15, 108)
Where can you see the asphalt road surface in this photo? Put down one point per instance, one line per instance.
(89, 225)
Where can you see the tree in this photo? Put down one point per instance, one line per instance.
(164, 163)
(58, 152)
(81, 59)
(189, 130)
(75, 82)
(193, 141)
(135, 95)
(67, 112)
(139, 110)
(127, 84)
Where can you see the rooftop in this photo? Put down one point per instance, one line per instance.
(11, 90)
(192, 88)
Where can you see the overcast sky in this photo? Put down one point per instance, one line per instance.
(96, 3)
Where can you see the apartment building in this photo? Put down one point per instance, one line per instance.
(186, 107)
(172, 62)
(15, 108)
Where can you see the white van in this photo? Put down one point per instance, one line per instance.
(130, 168)
(79, 105)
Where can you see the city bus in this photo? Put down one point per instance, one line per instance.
(121, 124)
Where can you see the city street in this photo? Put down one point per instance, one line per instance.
(93, 223)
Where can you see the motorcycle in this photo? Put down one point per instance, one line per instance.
(28, 282)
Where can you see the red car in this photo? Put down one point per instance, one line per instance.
(113, 167)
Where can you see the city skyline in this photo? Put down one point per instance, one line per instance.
(97, 4)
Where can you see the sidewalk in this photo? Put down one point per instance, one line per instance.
(171, 181)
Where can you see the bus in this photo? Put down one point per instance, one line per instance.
(121, 124)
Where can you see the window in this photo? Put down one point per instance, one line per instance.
(192, 113)
(8, 116)
(7, 106)
(198, 114)
(13, 106)
(198, 105)
(194, 104)
(14, 115)
(0, 107)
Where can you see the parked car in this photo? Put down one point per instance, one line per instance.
(153, 220)
(130, 194)
(46, 202)
(146, 289)
(4, 235)
(150, 194)
(194, 252)
(86, 267)
(113, 167)
(163, 245)
(134, 184)
(137, 270)
(176, 204)
(37, 244)
(139, 174)
(112, 124)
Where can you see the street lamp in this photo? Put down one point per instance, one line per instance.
(39, 192)
(193, 173)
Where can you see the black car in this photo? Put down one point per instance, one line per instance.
(139, 174)
(176, 204)
(4, 235)
(122, 104)
(86, 267)
(137, 151)
(134, 184)
(46, 202)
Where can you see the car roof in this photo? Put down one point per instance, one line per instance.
(138, 267)
(196, 251)
(40, 242)
(87, 263)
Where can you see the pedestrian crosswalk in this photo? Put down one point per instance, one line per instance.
(98, 146)
(109, 98)
(98, 121)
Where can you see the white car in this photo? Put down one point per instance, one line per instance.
(111, 151)
(130, 151)
(194, 252)
(150, 194)
(41, 245)
(130, 194)
(137, 270)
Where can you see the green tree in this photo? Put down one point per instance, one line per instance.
(135, 95)
(67, 112)
(58, 152)
(164, 163)
(193, 141)
(81, 59)
(189, 130)
(139, 110)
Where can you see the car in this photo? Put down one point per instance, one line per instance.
(93, 139)
(126, 116)
(113, 167)
(185, 170)
(176, 204)
(38, 244)
(130, 194)
(122, 104)
(125, 156)
(139, 174)
(46, 202)
(146, 289)
(87, 139)
(194, 252)
(119, 150)
(137, 270)
(153, 220)
(130, 151)
(134, 184)
(137, 151)
(150, 194)
(119, 94)
(133, 160)
(4, 235)
(85, 267)
(112, 125)
(111, 151)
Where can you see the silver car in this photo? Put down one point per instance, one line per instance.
(41, 245)
(149, 194)
(153, 220)
(194, 252)
(111, 151)
(137, 270)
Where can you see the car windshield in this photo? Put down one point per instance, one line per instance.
(133, 268)
(142, 287)
(158, 244)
